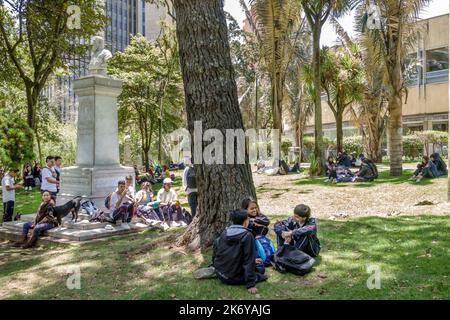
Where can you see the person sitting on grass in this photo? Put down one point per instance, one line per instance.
(44, 221)
(368, 171)
(169, 205)
(234, 256)
(441, 166)
(300, 230)
(425, 169)
(331, 170)
(259, 223)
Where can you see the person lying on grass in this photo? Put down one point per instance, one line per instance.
(234, 256)
(299, 230)
(44, 221)
(259, 223)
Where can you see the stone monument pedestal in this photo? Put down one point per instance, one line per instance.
(97, 169)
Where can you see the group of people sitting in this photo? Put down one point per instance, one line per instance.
(430, 167)
(124, 203)
(339, 170)
(237, 259)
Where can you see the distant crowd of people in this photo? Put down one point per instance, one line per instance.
(46, 179)
(339, 170)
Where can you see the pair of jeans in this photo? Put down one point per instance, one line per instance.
(8, 211)
(124, 212)
(193, 203)
(172, 213)
(38, 229)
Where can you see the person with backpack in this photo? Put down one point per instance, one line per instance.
(234, 256)
(426, 168)
(259, 223)
(441, 166)
(368, 171)
(189, 183)
(300, 230)
(259, 226)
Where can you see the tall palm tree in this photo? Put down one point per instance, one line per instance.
(317, 13)
(275, 21)
(393, 37)
(371, 114)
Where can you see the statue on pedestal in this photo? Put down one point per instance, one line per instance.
(99, 57)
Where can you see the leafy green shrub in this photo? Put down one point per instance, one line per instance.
(353, 144)
(412, 146)
(16, 141)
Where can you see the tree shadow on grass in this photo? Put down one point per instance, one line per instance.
(411, 252)
(384, 177)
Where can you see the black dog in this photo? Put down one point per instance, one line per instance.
(73, 206)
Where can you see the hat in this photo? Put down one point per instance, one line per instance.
(167, 181)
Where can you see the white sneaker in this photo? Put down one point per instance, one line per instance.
(156, 223)
(126, 226)
(183, 224)
(165, 226)
(175, 224)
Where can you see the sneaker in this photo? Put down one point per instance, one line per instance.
(164, 226)
(175, 224)
(125, 226)
(326, 180)
(156, 223)
(183, 224)
(412, 178)
(109, 227)
(419, 178)
(205, 273)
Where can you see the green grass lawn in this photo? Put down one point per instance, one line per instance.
(383, 177)
(411, 252)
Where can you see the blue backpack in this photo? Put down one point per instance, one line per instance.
(264, 249)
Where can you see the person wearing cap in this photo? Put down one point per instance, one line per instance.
(9, 194)
(300, 230)
(169, 204)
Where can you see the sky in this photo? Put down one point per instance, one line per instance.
(436, 8)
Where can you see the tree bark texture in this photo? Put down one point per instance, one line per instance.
(211, 97)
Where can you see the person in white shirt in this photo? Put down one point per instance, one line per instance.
(170, 205)
(49, 181)
(9, 194)
(131, 191)
(121, 204)
(190, 186)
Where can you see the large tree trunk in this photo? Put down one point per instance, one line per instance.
(339, 131)
(211, 97)
(374, 139)
(318, 134)
(395, 134)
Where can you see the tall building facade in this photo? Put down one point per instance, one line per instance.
(125, 19)
(427, 103)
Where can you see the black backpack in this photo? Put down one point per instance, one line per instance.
(190, 179)
(289, 259)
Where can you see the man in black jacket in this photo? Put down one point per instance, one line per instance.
(299, 230)
(234, 257)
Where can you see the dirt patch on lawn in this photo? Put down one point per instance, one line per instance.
(384, 199)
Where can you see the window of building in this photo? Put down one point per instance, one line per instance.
(440, 126)
(408, 129)
(437, 59)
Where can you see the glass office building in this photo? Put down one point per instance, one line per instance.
(125, 18)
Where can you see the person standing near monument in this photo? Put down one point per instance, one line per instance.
(9, 194)
(58, 161)
(49, 182)
(190, 186)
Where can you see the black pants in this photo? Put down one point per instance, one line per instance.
(193, 203)
(303, 243)
(8, 211)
